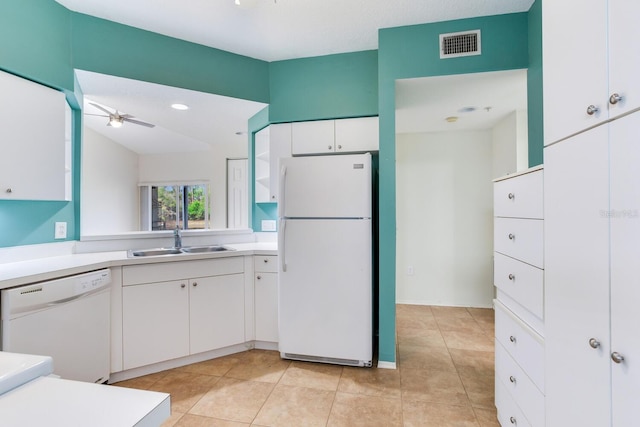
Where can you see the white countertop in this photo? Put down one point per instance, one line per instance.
(36, 270)
(54, 402)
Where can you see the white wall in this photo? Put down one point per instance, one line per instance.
(445, 218)
(109, 186)
(510, 144)
(196, 166)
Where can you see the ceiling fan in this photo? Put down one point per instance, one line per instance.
(116, 119)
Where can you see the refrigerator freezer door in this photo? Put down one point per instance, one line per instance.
(325, 294)
(325, 187)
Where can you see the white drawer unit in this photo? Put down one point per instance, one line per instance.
(519, 198)
(523, 282)
(265, 263)
(520, 238)
(525, 393)
(519, 306)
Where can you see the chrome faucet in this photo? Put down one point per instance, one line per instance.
(177, 238)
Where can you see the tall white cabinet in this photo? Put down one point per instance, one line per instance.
(592, 212)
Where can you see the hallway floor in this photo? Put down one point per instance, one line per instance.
(444, 378)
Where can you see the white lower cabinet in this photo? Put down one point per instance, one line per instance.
(200, 308)
(266, 298)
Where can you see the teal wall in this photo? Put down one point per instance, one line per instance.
(324, 87)
(409, 52)
(534, 85)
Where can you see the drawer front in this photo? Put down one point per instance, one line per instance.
(509, 414)
(519, 385)
(519, 197)
(520, 238)
(522, 282)
(522, 343)
(165, 271)
(265, 263)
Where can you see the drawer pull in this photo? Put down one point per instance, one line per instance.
(617, 357)
(259, 277)
(512, 339)
(512, 379)
(512, 236)
(265, 260)
(513, 420)
(511, 196)
(592, 109)
(594, 343)
(195, 284)
(182, 285)
(614, 99)
(512, 277)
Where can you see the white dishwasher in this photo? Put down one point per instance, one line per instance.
(67, 319)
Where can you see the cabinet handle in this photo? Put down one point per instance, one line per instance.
(512, 339)
(265, 260)
(512, 379)
(614, 99)
(512, 277)
(592, 109)
(182, 285)
(329, 147)
(258, 277)
(513, 420)
(617, 357)
(195, 284)
(339, 147)
(9, 190)
(512, 236)
(594, 343)
(511, 196)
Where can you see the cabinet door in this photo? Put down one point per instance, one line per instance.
(261, 165)
(574, 38)
(357, 135)
(266, 306)
(312, 137)
(625, 268)
(576, 200)
(217, 312)
(155, 321)
(279, 147)
(32, 164)
(624, 67)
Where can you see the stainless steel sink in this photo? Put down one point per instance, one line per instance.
(203, 249)
(155, 252)
(177, 251)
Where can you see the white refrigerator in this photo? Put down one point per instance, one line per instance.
(325, 259)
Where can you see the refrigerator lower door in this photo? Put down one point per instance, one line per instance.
(325, 291)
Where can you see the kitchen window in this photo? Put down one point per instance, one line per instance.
(167, 206)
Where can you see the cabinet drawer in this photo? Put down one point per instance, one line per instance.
(265, 263)
(526, 395)
(522, 343)
(519, 197)
(165, 271)
(520, 238)
(509, 414)
(521, 281)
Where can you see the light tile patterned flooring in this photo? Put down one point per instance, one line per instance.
(444, 378)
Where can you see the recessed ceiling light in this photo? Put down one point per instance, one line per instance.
(179, 107)
(452, 119)
(467, 110)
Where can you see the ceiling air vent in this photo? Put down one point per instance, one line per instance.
(465, 43)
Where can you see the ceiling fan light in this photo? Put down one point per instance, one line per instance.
(115, 122)
(180, 107)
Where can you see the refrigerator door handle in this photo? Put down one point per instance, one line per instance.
(282, 185)
(281, 237)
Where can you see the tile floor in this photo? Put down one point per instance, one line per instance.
(444, 378)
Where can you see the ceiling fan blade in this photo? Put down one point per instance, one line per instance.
(138, 122)
(97, 115)
(99, 107)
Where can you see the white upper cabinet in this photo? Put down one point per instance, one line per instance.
(271, 144)
(357, 135)
(590, 68)
(313, 137)
(34, 152)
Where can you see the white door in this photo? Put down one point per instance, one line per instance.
(237, 194)
(326, 187)
(325, 292)
(625, 268)
(576, 201)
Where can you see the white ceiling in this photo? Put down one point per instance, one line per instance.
(272, 30)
